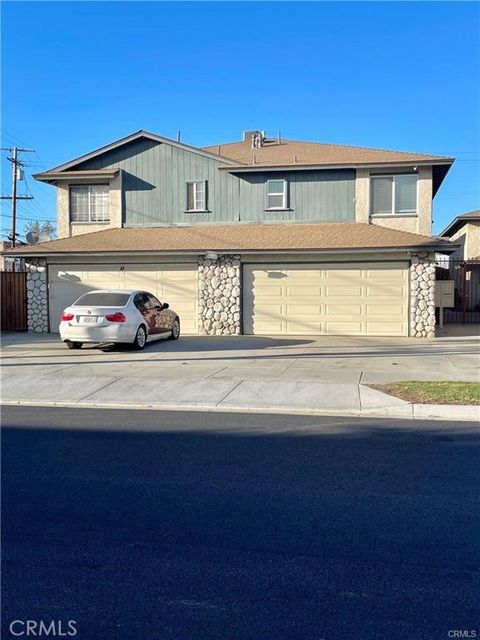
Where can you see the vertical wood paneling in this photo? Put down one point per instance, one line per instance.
(13, 301)
(155, 176)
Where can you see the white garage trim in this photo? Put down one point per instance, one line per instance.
(174, 283)
(358, 298)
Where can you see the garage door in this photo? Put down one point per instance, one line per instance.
(355, 299)
(175, 284)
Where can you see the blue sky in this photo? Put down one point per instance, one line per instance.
(403, 76)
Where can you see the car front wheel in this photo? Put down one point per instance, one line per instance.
(73, 345)
(175, 330)
(140, 338)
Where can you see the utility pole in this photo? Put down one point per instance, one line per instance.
(14, 194)
(16, 165)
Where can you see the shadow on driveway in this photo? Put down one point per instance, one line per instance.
(189, 355)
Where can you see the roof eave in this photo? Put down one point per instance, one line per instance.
(457, 223)
(439, 173)
(58, 176)
(131, 138)
(440, 247)
(257, 167)
(452, 227)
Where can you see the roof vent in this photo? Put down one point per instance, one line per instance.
(256, 138)
(247, 135)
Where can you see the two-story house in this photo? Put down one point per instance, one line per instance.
(261, 236)
(464, 265)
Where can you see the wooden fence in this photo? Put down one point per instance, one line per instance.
(13, 300)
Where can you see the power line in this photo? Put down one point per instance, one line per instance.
(30, 208)
(12, 137)
(33, 218)
(17, 172)
(33, 203)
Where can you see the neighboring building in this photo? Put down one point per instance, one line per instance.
(465, 231)
(5, 263)
(9, 263)
(262, 236)
(464, 266)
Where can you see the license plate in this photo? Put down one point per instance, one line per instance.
(90, 319)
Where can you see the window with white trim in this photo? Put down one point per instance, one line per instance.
(197, 196)
(89, 203)
(393, 195)
(276, 194)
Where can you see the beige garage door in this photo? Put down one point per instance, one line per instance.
(175, 284)
(344, 299)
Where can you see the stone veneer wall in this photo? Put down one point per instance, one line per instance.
(37, 296)
(219, 296)
(422, 295)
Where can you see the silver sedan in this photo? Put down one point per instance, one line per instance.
(118, 316)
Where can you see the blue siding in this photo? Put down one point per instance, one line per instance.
(321, 196)
(154, 177)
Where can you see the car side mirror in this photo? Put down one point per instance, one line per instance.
(165, 305)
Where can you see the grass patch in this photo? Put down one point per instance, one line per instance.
(433, 392)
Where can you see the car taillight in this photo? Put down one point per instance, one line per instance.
(66, 317)
(116, 317)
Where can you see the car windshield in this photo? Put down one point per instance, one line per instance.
(102, 299)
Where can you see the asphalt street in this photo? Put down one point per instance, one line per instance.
(202, 526)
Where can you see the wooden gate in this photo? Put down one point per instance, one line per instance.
(466, 274)
(14, 300)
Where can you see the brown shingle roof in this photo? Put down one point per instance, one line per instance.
(236, 239)
(297, 153)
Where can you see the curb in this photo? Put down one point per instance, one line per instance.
(410, 411)
(447, 411)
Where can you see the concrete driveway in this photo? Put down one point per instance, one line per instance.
(245, 372)
(454, 356)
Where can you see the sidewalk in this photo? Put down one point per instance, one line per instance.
(327, 375)
(224, 394)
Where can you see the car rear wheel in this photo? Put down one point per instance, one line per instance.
(140, 338)
(175, 330)
(73, 345)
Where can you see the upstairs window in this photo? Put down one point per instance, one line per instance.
(197, 196)
(392, 195)
(89, 203)
(276, 194)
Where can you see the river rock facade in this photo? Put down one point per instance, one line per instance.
(422, 295)
(37, 297)
(219, 296)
